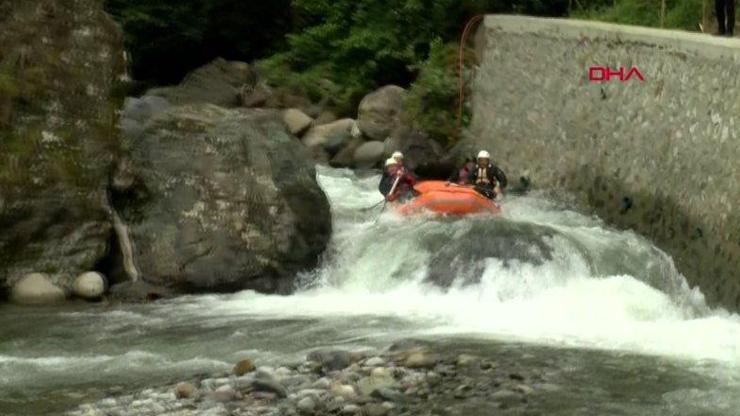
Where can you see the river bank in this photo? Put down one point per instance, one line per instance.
(423, 377)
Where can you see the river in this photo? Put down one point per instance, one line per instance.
(604, 306)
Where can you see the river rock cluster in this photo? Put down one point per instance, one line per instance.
(407, 378)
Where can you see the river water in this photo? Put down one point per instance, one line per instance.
(607, 308)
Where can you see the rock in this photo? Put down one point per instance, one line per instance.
(224, 394)
(218, 82)
(269, 385)
(36, 289)
(225, 200)
(306, 406)
(345, 157)
(374, 362)
(375, 409)
(137, 111)
(297, 121)
(322, 383)
(422, 154)
(421, 359)
(368, 155)
(367, 385)
(350, 409)
(284, 97)
(243, 367)
(89, 285)
(139, 291)
(505, 397)
(381, 372)
(325, 117)
(380, 112)
(331, 360)
(320, 135)
(388, 394)
(58, 137)
(342, 390)
(523, 388)
(185, 390)
(254, 95)
(516, 376)
(466, 360)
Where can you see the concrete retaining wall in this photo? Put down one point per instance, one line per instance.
(669, 145)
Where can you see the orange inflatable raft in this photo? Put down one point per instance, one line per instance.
(441, 197)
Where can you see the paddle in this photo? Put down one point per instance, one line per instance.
(385, 202)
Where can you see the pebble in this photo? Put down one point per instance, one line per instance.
(350, 409)
(331, 360)
(322, 383)
(243, 367)
(465, 360)
(374, 362)
(270, 386)
(388, 394)
(523, 388)
(375, 409)
(343, 390)
(306, 406)
(421, 359)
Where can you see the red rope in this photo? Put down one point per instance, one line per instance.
(461, 64)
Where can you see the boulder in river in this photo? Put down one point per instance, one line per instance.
(218, 82)
(380, 112)
(225, 200)
(89, 285)
(296, 120)
(422, 154)
(36, 289)
(337, 131)
(369, 154)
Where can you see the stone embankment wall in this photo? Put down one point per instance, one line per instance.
(660, 156)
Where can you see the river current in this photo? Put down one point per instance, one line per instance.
(560, 286)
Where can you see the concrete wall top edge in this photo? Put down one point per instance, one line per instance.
(700, 43)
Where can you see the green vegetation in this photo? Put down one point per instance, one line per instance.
(679, 14)
(336, 51)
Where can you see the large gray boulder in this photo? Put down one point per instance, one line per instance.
(220, 82)
(380, 112)
(297, 121)
(329, 134)
(224, 200)
(369, 154)
(60, 62)
(422, 154)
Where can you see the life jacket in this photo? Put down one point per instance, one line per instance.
(482, 177)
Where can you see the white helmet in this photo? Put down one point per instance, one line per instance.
(484, 155)
(390, 161)
(397, 155)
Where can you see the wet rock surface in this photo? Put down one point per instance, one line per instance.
(60, 62)
(223, 200)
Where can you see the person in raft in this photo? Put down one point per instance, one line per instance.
(397, 183)
(460, 176)
(486, 177)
